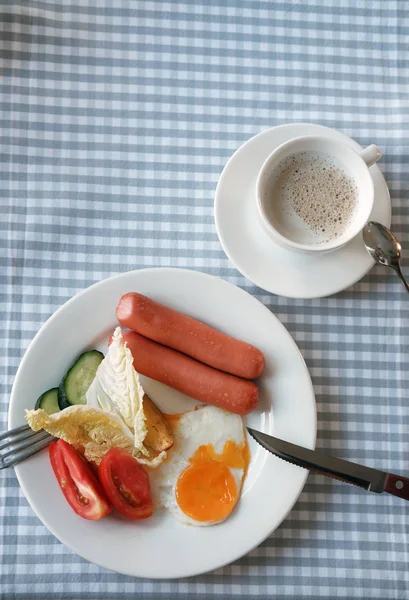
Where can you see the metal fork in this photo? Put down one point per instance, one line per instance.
(20, 443)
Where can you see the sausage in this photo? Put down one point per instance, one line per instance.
(190, 376)
(185, 334)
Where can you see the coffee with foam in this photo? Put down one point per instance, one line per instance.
(310, 199)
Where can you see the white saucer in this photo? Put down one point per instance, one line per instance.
(255, 255)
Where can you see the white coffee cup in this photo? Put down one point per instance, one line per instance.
(353, 163)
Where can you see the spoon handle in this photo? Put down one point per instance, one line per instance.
(401, 277)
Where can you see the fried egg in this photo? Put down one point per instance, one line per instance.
(201, 479)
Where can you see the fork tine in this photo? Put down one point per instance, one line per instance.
(14, 447)
(14, 431)
(21, 455)
(13, 438)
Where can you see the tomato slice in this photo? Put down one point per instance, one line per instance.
(126, 483)
(78, 483)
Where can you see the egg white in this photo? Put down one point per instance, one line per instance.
(205, 425)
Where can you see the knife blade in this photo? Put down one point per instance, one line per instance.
(368, 478)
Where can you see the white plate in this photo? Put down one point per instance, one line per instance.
(161, 547)
(258, 257)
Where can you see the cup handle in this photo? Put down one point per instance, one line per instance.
(371, 155)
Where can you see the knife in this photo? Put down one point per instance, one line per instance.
(344, 470)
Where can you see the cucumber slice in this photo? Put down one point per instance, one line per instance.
(49, 401)
(75, 384)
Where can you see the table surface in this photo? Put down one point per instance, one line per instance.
(117, 119)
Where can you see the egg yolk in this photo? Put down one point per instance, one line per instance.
(206, 490)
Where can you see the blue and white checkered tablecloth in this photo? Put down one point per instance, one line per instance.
(117, 118)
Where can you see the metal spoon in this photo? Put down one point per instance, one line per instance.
(384, 248)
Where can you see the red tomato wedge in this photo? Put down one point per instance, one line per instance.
(126, 483)
(78, 483)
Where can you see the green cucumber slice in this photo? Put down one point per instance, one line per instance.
(74, 386)
(49, 401)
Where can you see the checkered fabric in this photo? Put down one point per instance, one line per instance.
(117, 118)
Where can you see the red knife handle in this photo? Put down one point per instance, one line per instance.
(396, 485)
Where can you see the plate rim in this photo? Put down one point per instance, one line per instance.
(309, 392)
(217, 201)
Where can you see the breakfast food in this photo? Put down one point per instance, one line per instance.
(79, 377)
(81, 488)
(115, 412)
(159, 435)
(190, 376)
(126, 484)
(90, 430)
(201, 480)
(189, 336)
(116, 389)
(48, 401)
(106, 424)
